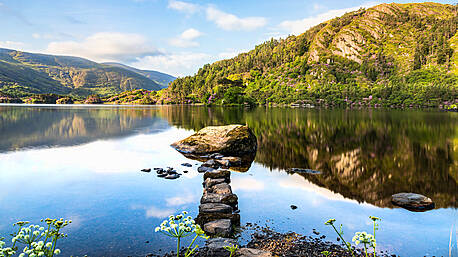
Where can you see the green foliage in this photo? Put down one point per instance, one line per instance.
(232, 249)
(38, 241)
(406, 66)
(25, 73)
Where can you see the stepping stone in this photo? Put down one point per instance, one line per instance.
(221, 189)
(215, 208)
(231, 199)
(218, 174)
(211, 182)
(221, 227)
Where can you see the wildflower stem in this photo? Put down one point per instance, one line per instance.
(178, 247)
(189, 247)
(343, 240)
(365, 249)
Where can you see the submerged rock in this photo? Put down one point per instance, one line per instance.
(222, 227)
(250, 252)
(231, 140)
(186, 164)
(412, 201)
(308, 171)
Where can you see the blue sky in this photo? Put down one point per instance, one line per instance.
(176, 37)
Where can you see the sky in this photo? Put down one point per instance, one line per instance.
(171, 36)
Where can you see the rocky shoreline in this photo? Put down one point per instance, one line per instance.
(266, 242)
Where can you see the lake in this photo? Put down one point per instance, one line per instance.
(83, 163)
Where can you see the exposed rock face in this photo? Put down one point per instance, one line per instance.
(250, 252)
(222, 227)
(412, 202)
(231, 140)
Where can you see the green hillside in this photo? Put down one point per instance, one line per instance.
(389, 55)
(24, 73)
(160, 78)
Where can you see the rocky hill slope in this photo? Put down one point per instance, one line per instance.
(23, 73)
(390, 54)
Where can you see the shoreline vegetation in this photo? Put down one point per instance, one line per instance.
(146, 97)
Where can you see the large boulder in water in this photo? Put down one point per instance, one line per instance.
(412, 202)
(231, 140)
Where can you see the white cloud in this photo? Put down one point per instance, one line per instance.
(299, 26)
(180, 200)
(154, 212)
(230, 53)
(246, 184)
(181, 6)
(186, 38)
(106, 46)
(177, 64)
(12, 45)
(229, 21)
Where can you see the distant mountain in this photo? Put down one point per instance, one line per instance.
(389, 55)
(23, 73)
(160, 78)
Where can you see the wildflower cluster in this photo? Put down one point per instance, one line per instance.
(179, 226)
(364, 238)
(39, 241)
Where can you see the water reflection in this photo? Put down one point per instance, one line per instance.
(363, 155)
(47, 126)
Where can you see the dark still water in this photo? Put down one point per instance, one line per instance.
(83, 163)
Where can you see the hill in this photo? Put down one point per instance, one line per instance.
(23, 73)
(389, 55)
(160, 78)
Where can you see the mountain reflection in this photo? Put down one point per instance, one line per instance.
(364, 155)
(38, 127)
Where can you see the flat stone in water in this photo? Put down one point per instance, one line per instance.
(211, 182)
(221, 189)
(186, 164)
(231, 199)
(217, 174)
(222, 227)
(412, 201)
(215, 208)
(250, 252)
(172, 176)
(146, 170)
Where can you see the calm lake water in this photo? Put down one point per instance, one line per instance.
(83, 163)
